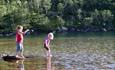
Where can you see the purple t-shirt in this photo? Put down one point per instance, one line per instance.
(46, 41)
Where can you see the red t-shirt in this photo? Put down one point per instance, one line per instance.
(19, 37)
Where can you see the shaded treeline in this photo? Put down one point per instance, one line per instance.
(47, 15)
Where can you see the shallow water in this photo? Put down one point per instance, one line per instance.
(69, 53)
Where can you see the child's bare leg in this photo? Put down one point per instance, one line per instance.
(17, 54)
(21, 54)
(17, 50)
(49, 52)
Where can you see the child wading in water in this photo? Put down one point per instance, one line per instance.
(47, 40)
(19, 41)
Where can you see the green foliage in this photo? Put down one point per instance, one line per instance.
(47, 15)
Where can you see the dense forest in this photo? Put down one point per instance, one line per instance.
(48, 15)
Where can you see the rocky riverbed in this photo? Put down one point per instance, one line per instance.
(85, 61)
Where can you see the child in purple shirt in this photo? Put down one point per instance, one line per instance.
(47, 40)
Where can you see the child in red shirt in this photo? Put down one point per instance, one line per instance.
(19, 41)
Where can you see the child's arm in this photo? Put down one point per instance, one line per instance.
(26, 31)
(47, 43)
(20, 32)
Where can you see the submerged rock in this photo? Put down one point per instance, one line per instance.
(112, 66)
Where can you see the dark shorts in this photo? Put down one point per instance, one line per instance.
(46, 47)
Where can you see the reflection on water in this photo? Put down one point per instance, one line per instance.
(29, 64)
(49, 63)
(17, 64)
(20, 64)
(34, 63)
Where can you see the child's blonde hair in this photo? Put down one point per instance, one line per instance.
(51, 36)
(19, 27)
